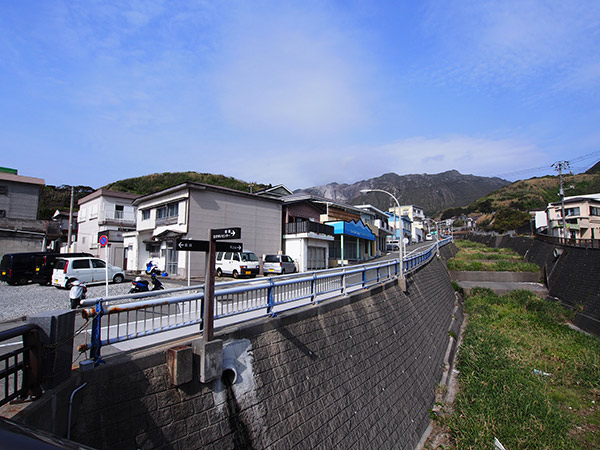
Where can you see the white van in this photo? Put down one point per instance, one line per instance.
(86, 270)
(243, 264)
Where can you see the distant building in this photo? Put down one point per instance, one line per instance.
(416, 215)
(378, 222)
(582, 217)
(19, 195)
(20, 231)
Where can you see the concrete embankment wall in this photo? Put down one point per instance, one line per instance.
(359, 372)
(572, 274)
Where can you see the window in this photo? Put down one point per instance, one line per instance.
(594, 211)
(94, 212)
(98, 264)
(81, 264)
(167, 211)
(2, 213)
(145, 214)
(161, 213)
(572, 212)
(118, 211)
(3, 190)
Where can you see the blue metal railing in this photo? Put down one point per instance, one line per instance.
(115, 321)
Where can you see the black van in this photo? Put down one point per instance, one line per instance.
(21, 268)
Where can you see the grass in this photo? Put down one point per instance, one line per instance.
(473, 256)
(501, 395)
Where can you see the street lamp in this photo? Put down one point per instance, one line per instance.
(400, 237)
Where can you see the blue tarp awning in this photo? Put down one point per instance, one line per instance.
(352, 228)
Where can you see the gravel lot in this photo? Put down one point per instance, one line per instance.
(19, 301)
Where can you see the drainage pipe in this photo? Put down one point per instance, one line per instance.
(70, 408)
(229, 374)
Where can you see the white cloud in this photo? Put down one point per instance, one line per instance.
(290, 70)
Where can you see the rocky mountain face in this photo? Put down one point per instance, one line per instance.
(432, 192)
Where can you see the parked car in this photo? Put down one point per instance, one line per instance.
(21, 268)
(278, 264)
(86, 270)
(242, 264)
(429, 237)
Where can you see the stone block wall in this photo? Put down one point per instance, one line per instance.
(359, 372)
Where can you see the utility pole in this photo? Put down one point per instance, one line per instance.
(69, 234)
(559, 167)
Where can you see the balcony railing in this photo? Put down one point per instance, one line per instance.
(308, 227)
(123, 218)
(575, 242)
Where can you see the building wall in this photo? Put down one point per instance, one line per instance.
(20, 200)
(358, 372)
(259, 220)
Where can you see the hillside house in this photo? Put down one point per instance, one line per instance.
(582, 217)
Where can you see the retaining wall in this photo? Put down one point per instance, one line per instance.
(359, 372)
(571, 274)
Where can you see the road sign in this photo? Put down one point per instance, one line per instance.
(226, 233)
(229, 246)
(103, 240)
(190, 245)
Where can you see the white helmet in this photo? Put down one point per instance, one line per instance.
(138, 278)
(75, 283)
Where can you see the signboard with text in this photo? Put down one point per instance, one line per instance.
(226, 233)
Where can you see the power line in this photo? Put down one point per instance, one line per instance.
(549, 167)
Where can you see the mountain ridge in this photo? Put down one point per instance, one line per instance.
(432, 192)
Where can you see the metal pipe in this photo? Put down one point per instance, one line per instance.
(70, 409)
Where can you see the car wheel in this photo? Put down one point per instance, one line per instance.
(219, 273)
(118, 278)
(235, 274)
(69, 283)
(22, 281)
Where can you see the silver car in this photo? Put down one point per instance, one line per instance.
(278, 264)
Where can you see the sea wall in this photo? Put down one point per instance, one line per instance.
(357, 372)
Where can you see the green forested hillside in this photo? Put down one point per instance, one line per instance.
(58, 197)
(158, 181)
(508, 207)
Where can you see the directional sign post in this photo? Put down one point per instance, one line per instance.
(226, 233)
(190, 245)
(211, 248)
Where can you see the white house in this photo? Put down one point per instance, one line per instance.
(109, 213)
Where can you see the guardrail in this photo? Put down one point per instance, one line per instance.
(114, 322)
(21, 369)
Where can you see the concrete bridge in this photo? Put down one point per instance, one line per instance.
(360, 371)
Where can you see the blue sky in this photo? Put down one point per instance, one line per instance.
(301, 93)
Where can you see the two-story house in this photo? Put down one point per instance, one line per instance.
(188, 211)
(352, 238)
(108, 213)
(305, 239)
(582, 217)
